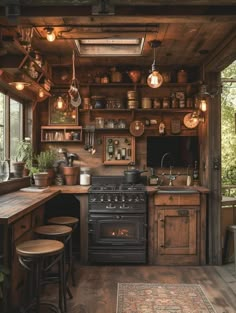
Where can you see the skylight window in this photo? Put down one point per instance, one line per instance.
(110, 46)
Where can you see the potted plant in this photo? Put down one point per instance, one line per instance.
(70, 171)
(46, 163)
(23, 157)
(40, 178)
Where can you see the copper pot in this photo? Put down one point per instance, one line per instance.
(134, 75)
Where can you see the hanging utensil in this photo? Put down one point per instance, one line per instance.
(75, 97)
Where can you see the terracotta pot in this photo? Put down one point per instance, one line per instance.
(41, 179)
(71, 175)
(51, 176)
(18, 169)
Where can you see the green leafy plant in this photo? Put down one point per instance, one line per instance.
(46, 159)
(24, 151)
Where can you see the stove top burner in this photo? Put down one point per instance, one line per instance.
(104, 187)
(114, 187)
(132, 187)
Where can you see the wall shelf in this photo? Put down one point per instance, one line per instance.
(61, 134)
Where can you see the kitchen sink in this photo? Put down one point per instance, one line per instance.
(176, 189)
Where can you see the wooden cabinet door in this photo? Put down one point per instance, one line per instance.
(177, 231)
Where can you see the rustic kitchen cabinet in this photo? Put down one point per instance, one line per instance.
(177, 229)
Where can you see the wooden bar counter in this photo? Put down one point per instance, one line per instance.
(20, 212)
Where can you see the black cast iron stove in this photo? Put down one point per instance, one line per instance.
(117, 221)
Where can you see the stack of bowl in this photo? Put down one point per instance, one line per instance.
(132, 99)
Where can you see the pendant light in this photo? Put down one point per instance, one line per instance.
(203, 94)
(51, 36)
(19, 82)
(155, 79)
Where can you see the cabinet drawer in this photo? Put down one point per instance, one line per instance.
(21, 226)
(177, 199)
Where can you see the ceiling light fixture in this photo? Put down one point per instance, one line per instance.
(41, 93)
(51, 36)
(19, 83)
(155, 79)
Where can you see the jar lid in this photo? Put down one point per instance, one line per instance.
(85, 169)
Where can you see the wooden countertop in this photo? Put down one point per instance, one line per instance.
(71, 189)
(13, 205)
(200, 189)
(16, 204)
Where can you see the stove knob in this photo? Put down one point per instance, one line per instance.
(118, 217)
(123, 198)
(116, 198)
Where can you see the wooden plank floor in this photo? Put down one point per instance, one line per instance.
(96, 287)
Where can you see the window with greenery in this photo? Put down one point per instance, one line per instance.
(11, 126)
(228, 125)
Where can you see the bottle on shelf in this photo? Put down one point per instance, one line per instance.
(110, 148)
(196, 173)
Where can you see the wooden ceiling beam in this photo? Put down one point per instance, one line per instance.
(140, 13)
(223, 56)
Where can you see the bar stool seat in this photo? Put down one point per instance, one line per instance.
(72, 222)
(64, 220)
(37, 257)
(230, 229)
(62, 233)
(53, 230)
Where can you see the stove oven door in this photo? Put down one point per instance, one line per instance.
(117, 237)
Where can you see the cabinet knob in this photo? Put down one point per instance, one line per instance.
(162, 246)
(170, 198)
(162, 220)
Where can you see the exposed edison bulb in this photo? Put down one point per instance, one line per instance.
(20, 85)
(203, 105)
(155, 79)
(50, 34)
(41, 93)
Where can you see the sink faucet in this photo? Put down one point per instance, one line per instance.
(167, 154)
(171, 177)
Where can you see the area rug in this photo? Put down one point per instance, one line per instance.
(162, 298)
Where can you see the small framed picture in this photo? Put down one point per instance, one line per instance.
(61, 111)
(180, 95)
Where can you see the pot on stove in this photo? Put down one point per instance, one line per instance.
(133, 176)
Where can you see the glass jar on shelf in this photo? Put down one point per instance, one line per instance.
(99, 122)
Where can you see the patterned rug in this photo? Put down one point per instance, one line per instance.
(162, 298)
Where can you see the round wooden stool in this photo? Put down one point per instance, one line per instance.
(72, 222)
(62, 233)
(37, 257)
